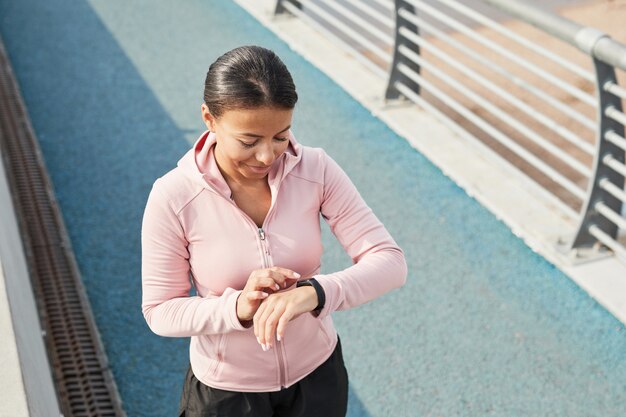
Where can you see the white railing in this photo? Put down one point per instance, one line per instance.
(540, 90)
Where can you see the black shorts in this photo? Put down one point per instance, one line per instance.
(324, 392)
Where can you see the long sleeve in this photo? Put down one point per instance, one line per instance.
(166, 304)
(379, 264)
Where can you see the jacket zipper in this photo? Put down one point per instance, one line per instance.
(279, 347)
(264, 249)
(280, 353)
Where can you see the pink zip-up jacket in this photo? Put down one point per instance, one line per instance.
(193, 233)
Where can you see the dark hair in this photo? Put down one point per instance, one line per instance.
(248, 77)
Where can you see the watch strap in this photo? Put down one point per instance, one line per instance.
(321, 295)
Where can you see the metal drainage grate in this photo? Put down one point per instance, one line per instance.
(83, 380)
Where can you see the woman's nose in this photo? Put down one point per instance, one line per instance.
(265, 154)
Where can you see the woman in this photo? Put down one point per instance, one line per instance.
(238, 219)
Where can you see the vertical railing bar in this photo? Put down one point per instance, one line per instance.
(544, 120)
(550, 172)
(501, 29)
(383, 55)
(347, 47)
(463, 133)
(579, 94)
(396, 76)
(528, 133)
(573, 114)
(608, 165)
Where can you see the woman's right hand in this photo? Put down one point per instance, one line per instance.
(260, 284)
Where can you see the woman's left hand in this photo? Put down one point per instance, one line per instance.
(278, 309)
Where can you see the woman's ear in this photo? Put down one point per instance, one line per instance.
(207, 117)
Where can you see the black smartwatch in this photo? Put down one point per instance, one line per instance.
(321, 295)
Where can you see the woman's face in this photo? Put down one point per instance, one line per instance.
(249, 141)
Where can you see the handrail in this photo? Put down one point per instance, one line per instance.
(591, 192)
(589, 40)
(599, 218)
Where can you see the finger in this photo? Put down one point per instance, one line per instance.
(256, 295)
(287, 273)
(262, 323)
(270, 326)
(272, 321)
(278, 278)
(290, 281)
(255, 322)
(266, 282)
(283, 280)
(286, 317)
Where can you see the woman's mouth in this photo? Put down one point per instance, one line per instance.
(259, 170)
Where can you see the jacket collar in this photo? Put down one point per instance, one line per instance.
(200, 166)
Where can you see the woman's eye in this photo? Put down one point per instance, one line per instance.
(250, 145)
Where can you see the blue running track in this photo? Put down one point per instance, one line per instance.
(484, 326)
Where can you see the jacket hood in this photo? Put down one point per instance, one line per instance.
(199, 164)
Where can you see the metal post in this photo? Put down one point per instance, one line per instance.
(589, 215)
(280, 8)
(394, 74)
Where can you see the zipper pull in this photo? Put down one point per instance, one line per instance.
(261, 234)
